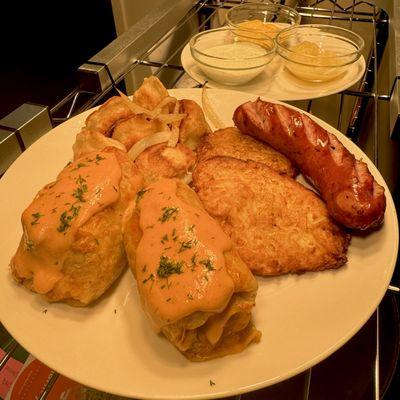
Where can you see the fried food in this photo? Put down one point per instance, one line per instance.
(161, 161)
(103, 119)
(277, 225)
(72, 247)
(353, 196)
(232, 143)
(150, 93)
(88, 141)
(131, 130)
(194, 287)
(194, 126)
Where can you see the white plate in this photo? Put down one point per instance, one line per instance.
(110, 345)
(275, 82)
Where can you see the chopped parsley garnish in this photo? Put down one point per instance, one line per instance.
(208, 264)
(149, 278)
(66, 217)
(99, 158)
(212, 383)
(36, 217)
(81, 189)
(79, 165)
(191, 228)
(168, 267)
(164, 239)
(169, 212)
(185, 245)
(144, 268)
(174, 237)
(140, 194)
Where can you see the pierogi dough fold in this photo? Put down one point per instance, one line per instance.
(72, 248)
(193, 285)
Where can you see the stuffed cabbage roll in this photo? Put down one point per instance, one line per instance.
(72, 248)
(193, 285)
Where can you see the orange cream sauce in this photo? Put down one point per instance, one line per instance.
(51, 221)
(180, 264)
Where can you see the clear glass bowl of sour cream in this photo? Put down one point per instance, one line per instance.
(231, 56)
(318, 53)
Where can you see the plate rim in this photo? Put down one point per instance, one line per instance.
(313, 361)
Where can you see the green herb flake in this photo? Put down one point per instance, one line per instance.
(66, 217)
(164, 239)
(208, 264)
(140, 194)
(168, 213)
(79, 165)
(82, 188)
(36, 217)
(99, 158)
(144, 269)
(168, 267)
(149, 278)
(212, 383)
(185, 246)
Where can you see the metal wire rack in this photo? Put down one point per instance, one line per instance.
(100, 76)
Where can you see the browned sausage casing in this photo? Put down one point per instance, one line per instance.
(352, 195)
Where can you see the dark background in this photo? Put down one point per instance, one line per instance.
(42, 45)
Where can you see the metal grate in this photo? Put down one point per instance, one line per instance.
(351, 104)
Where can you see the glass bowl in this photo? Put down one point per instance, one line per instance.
(318, 53)
(265, 17)
(231, 56)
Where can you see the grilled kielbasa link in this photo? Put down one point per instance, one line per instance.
(352, 195)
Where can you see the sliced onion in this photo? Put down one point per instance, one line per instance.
(135, 108)
(148, 141)
(209, 111)
(170, 118)
(174, 138)
(164, 102)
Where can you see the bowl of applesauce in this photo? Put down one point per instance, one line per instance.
(318, 53)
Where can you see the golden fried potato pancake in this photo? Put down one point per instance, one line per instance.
(161, 161)
(103, 119)
(194, 126)
(277, 225)
(232, 143)
(194, 287)
(72, 247)
(135, 128)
